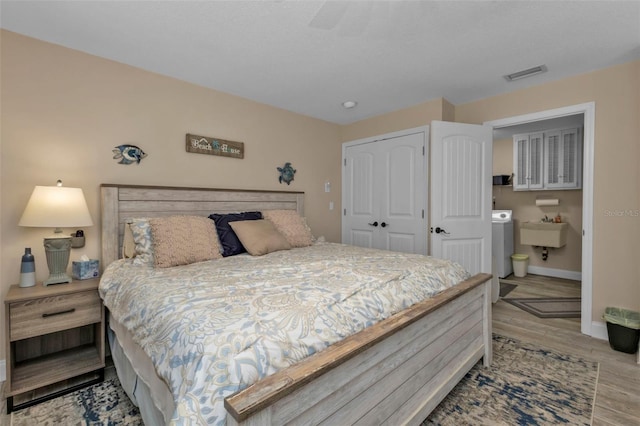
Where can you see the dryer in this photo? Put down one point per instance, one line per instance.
(502, 241)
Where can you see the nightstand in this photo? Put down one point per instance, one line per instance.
(54, 333)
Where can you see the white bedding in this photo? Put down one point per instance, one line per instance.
(213, 328)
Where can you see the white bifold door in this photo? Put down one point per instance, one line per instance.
(384, 197)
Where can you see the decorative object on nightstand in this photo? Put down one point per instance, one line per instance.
(27, 269)
(56, 207)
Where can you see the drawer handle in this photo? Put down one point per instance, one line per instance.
(68, 311)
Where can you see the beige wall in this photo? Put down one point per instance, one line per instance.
(523, 204)
(616, 224)
(415, 116)
(64, 111)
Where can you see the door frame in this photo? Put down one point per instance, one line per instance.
(420, 129)
(587, 325)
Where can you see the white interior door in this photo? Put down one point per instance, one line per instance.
(460, 217)
(403, 191)
(360, 205)
(384, 192)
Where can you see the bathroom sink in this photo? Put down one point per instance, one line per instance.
(543, 234)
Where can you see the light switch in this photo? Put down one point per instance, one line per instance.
(327, 186)
(330, 205)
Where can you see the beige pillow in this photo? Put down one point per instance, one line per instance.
(181, 240)
(259, 236)
(291, 225)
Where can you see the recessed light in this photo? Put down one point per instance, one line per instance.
(349, 104)
(526, 73)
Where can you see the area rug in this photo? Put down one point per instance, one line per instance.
(525, 385)
(103, 404)
(549, 307)
(506, 288)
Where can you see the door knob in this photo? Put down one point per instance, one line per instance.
(440, 230)
(383, 224)
(374, 223)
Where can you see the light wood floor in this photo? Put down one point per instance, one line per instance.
(618, 390)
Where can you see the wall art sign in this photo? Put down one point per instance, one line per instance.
(214, 146)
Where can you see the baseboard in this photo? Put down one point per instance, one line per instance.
(557, 273)
(599, 330)
(3, 370)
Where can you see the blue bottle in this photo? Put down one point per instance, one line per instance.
(27, 269)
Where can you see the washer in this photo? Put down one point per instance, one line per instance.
(502, 241)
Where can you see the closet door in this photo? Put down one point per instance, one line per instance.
(402, 194)
(360, 200)
(384, 193)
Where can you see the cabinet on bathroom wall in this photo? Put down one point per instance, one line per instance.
(547, 160)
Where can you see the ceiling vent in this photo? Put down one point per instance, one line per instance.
(526, 73)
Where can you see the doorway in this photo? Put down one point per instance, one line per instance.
(587, 325)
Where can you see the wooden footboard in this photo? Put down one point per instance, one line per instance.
(395, 372)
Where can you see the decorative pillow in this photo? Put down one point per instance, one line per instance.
(259, 236)
(128, 244)
(230, 243)
(181, 240)
(141, 230)
(291, 225)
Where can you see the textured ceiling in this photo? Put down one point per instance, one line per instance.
(310, 56)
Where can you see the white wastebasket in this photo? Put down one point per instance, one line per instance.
(520, 263)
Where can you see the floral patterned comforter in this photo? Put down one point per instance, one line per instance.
(213, 328)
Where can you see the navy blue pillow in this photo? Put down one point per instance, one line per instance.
(228, 240)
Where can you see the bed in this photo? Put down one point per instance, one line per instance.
(391, 370)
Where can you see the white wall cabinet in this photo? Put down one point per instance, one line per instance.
(527, 161)
(563, 159)
(547, 160)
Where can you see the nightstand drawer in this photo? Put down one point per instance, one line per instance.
(50, 314)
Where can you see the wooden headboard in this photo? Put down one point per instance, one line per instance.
(122, 202)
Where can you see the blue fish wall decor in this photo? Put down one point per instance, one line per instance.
(128, 154)
(286, 173)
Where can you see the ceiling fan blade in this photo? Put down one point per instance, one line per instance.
(329, 15)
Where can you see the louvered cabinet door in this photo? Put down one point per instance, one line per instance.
(528, 161)
(520, 162)
(563, 159)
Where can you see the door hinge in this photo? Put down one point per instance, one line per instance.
(344, 213)
(423, 213)
(345, 162)
(423, 151)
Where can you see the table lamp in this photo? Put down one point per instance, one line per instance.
(56, 207)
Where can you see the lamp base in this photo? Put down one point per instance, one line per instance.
(57, 279)
(57, 250)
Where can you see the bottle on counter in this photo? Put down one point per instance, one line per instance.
(27, 269)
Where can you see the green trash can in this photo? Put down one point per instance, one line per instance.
(623, 327)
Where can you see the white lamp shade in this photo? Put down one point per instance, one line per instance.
(56, 207)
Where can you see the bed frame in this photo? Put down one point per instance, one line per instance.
(394, 372)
